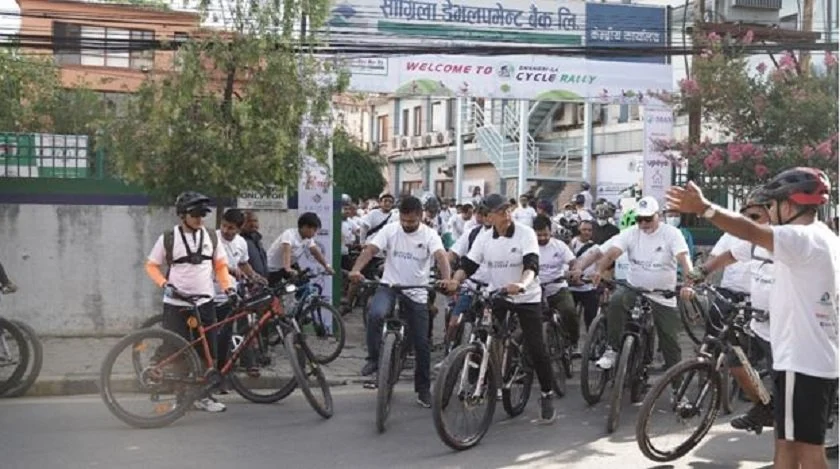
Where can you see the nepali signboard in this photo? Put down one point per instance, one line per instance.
(458, 22)
(509, 77)
(610, 25)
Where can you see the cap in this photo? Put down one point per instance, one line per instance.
(495, 202)
(647, 207)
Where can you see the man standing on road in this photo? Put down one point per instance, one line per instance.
(409, 247)
(803, 304)
(257, 256)
(524, 214)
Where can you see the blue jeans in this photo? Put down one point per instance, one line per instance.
(462, 304)
(416, 317)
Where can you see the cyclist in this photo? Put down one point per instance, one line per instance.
(524, 213)
(803, 304)
(409, 247)
(585, 294)
(556, 260)
(760, 266)
(653, 249)
(6, 285)
(510, 253)
(604, 228)
(286, 250)
(193, 260)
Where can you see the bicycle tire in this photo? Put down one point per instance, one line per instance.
(156, 320)
(467, 328)
(728, 390)
(36, 361)
(593, 346)
(307, 319)
(384, 388)
(627, 351)
(16, 335)
(439, 392)
(514, 409)
(105, 392)
(833, 421)
(688, 324)
(663, 385)
(284, 390)
(300, 356)
(553, 338)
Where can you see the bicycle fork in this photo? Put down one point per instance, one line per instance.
(482, 368)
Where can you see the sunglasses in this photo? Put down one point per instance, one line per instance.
(644, 219)
(197, 213)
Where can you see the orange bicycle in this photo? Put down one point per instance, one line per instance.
(171, 376)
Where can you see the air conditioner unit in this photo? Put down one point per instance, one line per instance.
(405, 142)
(597, 113)
(450, 136)
(395, 142)
(565, 115)
(428, 139)
(417, 142)
(748, 11)
(440, 138)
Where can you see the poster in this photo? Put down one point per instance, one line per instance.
(656, 179)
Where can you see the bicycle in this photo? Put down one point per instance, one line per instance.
(469, 376)
(557, 342)
(466, 321)
(709, 362)
(593, 379)
(175, 367)
(14, 355)
(35, 362)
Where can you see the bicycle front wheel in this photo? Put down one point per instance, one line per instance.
(679, 398)
(459, 391)
(389, 369)
(324, 329)
(305, 366)
(593, 380)
(556, 354)
(620, 381)
(14, 355)
(517, 378)
(36, 361)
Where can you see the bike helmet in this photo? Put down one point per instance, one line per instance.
(545, 206)
(756, 198)
(802, 186)
(191, 201)
(346, 200)
(628, 219)
(604, 210)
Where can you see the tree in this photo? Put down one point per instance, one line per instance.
(356, 172)
(771, 118)
(228, 117)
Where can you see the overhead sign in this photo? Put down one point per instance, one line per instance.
(628, 27)
(656, 170)
(512, 22)
(510, 77)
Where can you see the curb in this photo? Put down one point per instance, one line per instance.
(73, 385)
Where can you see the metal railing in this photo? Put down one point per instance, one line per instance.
(37, 155)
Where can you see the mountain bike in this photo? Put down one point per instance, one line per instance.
(683, 403)
(593, 379)
(14, 355)
(466, 321)
(559, 345)
(175, 368)
(471, 375)
(35, 362)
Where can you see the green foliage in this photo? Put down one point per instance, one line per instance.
(357, 172)
(229, 118)
(772, 117)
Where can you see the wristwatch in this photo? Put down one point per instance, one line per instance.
(710, 211)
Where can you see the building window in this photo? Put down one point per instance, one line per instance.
(411, 187)
(445, 189)
(451, 114)
(438, 119)
(382, 128)
(96, 46)
(179, 40)
(405, 126)
(418, 120)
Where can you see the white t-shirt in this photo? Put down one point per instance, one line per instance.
(236, 252)
(555, 257)
(736, 277)
(653, 263)
(456, 226)
(762, 279)
(193, 279)
(576, 244)
(348, 236)
(470, 224)
(524, 216)
(408, 256)
(461, 248)
(375, 217)
(298, 245)
(804, 300)
(503, 258)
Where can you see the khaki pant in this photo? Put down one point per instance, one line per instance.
(564, 304)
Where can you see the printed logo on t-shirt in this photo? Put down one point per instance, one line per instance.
(825, 299)
(514, 249)
(658, 249)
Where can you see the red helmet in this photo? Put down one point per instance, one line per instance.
(802, 186)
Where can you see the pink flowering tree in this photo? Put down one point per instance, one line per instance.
(773, 115)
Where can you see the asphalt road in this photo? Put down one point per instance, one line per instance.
(79, 432)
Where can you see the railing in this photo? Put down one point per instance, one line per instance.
(36, 155)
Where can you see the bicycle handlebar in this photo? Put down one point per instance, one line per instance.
(639, 290)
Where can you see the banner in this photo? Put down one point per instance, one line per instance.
(509, 77)
(659, 125)
(627, 27)
(315, 194)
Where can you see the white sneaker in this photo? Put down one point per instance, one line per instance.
(607, 360)
(208, 404)
(438, 365)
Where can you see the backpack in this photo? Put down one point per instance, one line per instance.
(169, 242)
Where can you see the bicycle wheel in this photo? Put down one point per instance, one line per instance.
(628, 349)
(593, 380)
(14, 355)
(455, 391)
(263, 373)
(304, 365)
(179, 370)
(681, 402)
(36, 361)
(389, 366)
(324, 330)
(831, 434)
(517, 378)
(694, 319)
(465, 333)
(556, 354)
(154, 321)
(729, 390)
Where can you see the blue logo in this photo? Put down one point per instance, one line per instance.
(341, 15)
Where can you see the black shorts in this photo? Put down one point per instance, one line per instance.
(801, 406)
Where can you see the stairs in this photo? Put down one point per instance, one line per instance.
(498, 137)
(540, 115)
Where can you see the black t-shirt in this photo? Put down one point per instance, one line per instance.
(600, 234)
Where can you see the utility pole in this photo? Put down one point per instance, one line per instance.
(695, 114)
(807, 26)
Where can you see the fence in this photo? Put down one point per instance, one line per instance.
(37, 155)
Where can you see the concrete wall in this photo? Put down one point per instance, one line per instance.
(80, 267)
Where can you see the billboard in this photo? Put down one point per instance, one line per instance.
(613, 25)
(458, 22)
(530, 77)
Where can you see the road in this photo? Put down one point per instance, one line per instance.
(78, 432)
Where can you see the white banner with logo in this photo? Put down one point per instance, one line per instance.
(659, 126)
(541, 78)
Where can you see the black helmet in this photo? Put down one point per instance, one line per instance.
(189, 201)
(802, 186)
(756, 197)
(585, 186)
